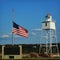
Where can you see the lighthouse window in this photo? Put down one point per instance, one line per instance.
(45, 24)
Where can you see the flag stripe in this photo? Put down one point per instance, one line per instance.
(19, 30)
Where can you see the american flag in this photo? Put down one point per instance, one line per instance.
(19, 30)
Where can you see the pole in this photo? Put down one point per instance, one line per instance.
(12, 26)
(56, 43)
(50, 42)
(40, 43)
(46, 42)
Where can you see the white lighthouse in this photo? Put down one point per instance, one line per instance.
(48, 36)
(48, 24)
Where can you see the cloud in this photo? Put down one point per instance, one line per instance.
(7, 36)
(4, 36)
(37, 29)
(10, 33)
(33, 33)
(16, 36)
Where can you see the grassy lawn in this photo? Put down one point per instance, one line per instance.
(37, 59)
(41, 59)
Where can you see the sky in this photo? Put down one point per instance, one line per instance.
(28, 14)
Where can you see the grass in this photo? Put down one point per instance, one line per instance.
(37, 59)
(41, 59)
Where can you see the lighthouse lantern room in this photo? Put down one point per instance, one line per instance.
(48, 23)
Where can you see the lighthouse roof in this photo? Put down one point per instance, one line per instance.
(48, 17)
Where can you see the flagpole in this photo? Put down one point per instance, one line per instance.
(12, 26)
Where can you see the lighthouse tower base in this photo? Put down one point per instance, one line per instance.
(48, 43)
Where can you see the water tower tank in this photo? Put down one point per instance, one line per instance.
(48, 24)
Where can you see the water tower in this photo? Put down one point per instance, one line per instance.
(48, 36)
